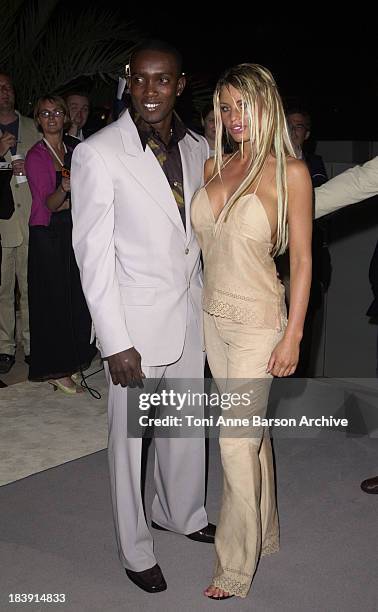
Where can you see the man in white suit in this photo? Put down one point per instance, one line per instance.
(132, 184)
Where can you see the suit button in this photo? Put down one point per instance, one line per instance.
(186, 251)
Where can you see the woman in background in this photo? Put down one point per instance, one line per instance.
(60, 323)
(255, 202)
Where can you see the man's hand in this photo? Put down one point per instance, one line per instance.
(18, 166)
(126, 368)
(75, 124)
(7, 141)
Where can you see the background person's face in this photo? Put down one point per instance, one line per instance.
(78, 107)
(6, 93)
(51, 125)
(298, 130)
(209, 125)
(154, 85)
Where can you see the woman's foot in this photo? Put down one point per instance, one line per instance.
(213, 592)
(67, 385)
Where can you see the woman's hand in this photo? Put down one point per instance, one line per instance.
(66, 184)
(284, 358)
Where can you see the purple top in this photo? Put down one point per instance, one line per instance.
(40, 170)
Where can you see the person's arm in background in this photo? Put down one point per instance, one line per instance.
(318, 172)
(349, 187)
(39, 177)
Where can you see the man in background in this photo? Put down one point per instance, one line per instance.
(78, 106)
(349, 187)
(17, 135)
(299, 123)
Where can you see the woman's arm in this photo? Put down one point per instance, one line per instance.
(58, 200)
(40, 171)
(353, 185)
(284, 358)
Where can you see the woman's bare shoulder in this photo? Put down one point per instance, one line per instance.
(296, 170)
(209, 169)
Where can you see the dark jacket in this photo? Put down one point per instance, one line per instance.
(373, 277)
(316, 168)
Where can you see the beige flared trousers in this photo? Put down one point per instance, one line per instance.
(238, 355)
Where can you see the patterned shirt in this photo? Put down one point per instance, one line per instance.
(168, 156)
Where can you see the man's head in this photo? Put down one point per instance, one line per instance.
(6, 93)
(299, 124)
(155, 81)
(78, 107)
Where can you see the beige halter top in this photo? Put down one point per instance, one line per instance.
(240, 276)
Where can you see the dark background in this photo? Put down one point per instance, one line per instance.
(332, 68)
(328, 66)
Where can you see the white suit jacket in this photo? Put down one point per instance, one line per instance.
(349, 187)
(139, 267)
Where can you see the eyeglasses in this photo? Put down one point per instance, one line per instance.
(54, 113)
(299, 127)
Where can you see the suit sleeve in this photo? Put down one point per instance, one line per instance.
(92, 196)
(205, 155)
(349, 187)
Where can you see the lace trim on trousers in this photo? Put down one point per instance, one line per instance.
(239, 583)
(235, 584)
(271, 545)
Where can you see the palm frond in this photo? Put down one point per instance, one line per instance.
(53, 47)
(9, 11)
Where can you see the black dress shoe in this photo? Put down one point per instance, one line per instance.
(6, 362)
(206, 534)
(370, 485)
(150, 580)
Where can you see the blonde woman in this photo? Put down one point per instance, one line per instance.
(255, 202)
(60, 323)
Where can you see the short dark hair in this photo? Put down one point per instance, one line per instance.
(298, 110)
(206, 110)
(6, 74)
(76, 92)
(155, 44)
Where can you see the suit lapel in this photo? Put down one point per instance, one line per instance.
(147, 171)
(188, 163)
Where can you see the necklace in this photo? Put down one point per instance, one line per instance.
(48, 145)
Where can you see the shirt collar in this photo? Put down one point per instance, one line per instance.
(146, 131)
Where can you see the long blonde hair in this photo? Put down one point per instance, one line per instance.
(268, 134)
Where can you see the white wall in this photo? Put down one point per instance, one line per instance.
(339, 155)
